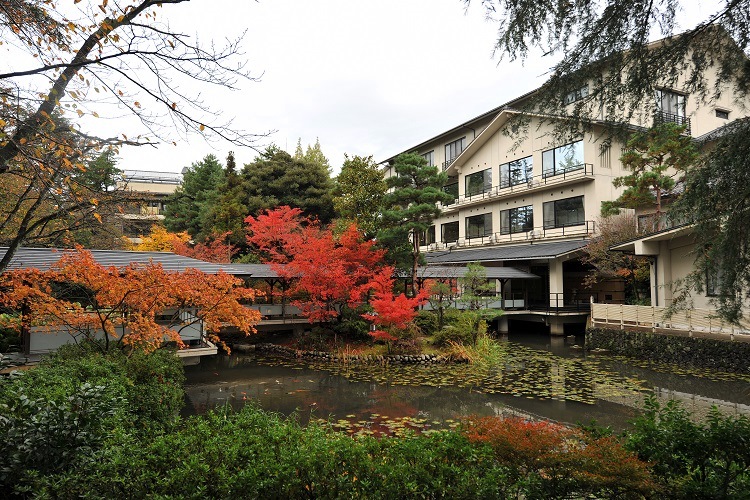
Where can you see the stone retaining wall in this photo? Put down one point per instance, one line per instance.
(721, 355)
(335, 357)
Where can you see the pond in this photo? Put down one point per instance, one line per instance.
(537, 377)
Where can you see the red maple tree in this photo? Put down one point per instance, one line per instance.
(391, 314)
(326, 271)
(216, 249)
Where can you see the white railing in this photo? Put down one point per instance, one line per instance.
(692, 321)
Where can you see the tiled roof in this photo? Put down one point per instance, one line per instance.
(531, 251)
(44, 258)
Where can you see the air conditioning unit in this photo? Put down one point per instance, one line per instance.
(534, 234)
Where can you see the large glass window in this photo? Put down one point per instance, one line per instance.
(449, 232)
(452, 189)
(517, 220)
(479, 225)
(479, 182)
(516, 172)
(453, 149)
(562, 159)
(430, 157)
(562, 213)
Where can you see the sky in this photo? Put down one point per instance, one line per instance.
(368, 78)
(365, 78)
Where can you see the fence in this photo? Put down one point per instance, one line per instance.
(693, 321)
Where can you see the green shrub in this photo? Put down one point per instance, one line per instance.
(59, 415)
(42, 436)
(254, 454)
(692, 459)
(351, 325)
(427, 321)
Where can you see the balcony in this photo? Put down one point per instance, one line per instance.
(577, 173)
(585, 229)
(448, 163)
(665, 117)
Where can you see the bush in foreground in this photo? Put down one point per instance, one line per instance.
(58, 416)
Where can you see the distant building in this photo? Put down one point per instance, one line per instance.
(151, 189)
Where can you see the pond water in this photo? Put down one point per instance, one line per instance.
(538, 376)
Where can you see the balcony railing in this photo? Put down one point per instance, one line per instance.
(586, 228)
(448, 163)
(584, 171)
(664, 117)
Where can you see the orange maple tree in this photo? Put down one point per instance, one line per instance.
(138, 306)
(326, 271)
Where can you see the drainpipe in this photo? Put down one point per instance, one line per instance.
(474, 132)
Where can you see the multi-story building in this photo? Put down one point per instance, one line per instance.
(150, 191)
(531, 201)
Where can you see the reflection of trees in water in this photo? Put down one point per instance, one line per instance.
(526, 378)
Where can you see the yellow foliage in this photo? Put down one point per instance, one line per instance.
(160, 240)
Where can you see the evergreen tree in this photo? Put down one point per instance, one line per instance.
(275, 179)
(189, 207)
(314, 156)
(410, 207)
(358, 193)
(655, 157)
(299, 154)
(228, 213)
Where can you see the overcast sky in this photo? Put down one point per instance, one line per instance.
(366, 78)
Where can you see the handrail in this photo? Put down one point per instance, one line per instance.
(585, 170)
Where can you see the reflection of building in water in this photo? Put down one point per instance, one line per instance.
(151, 190)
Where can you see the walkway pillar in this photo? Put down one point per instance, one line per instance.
(555, 283)
(556, 325)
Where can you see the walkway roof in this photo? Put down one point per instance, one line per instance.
(532, 251)
(44, 258)
(501, 273)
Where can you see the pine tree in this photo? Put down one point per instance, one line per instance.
(411, 207)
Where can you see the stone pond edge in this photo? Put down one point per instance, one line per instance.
(721, 355)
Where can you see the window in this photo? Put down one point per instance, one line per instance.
(449, 232)
(562, 159)
(452, 189)
(713, 282)
(430, 157)
(576, 95)
(479, 182)
(671, 105)
(429, 236)
(453, 149)
(516, 172)
(479, 225)
(517, 220)
(723, 114)
(563, 213)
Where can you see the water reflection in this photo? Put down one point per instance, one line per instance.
(539, 377)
